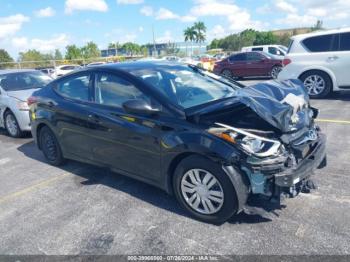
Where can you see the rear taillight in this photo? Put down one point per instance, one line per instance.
(32, 100)
(286, 61)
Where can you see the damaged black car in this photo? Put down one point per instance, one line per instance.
(205, 139)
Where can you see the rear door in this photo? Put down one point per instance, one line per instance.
(255, 65)
(72, 114)
(339, 61)
(237, 64)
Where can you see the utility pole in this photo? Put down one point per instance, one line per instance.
(154, 41)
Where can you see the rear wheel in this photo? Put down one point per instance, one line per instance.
(205, 190)
(275, 71)
(12, 126)
(317, 83)
(50, 147)
(227, 73)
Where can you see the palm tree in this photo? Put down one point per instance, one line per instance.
(190, 35)
(200, 29)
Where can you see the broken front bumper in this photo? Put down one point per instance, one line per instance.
(288, 170)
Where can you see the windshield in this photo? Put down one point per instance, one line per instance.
(23, 80)
(186, 86)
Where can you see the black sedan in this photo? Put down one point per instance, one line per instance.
(194, 134)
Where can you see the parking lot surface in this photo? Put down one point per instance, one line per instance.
(80, 209)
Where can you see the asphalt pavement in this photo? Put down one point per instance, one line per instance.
(80, 209)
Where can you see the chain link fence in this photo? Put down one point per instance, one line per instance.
(53, 63)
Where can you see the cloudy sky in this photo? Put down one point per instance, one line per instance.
(49, 24)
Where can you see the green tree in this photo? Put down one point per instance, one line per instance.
(265, 38)
(5, 58)
(90, 50)
(114, 45)
(58, 55)
(131, 48)
(73, 52)
(317, 26)
(190, 35)
(33, 58)
(200, 29)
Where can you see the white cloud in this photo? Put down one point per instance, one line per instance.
(284, 6)
(129, 2)
(42, 45)
(165, 38)
(217, 31)
(146, 10)
(238, 18)
(85, 5)
(295, 20)
(188, 18)
(163, 14)
(11, 24)
(45, 12)
(140, 28)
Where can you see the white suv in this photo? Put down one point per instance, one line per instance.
(321, 60)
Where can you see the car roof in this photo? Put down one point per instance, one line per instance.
(126, 66)
(11, 71)
(323, 32)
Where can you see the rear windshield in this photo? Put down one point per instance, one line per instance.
(23, 80)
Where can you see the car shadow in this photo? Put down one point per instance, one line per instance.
(88, 175)
(339, 95)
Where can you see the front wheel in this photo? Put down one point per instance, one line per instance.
(227, 73)
(50, 147)
(205, 190)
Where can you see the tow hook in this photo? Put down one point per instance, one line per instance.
(304, 186)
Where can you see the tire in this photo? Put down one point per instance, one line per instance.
(218, 212)
(12, 126)
(227, 73)
(50, 147)
(275, 70)
(323, 83)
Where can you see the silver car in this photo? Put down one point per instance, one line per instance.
(16, 86)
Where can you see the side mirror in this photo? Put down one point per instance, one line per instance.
(140, 107)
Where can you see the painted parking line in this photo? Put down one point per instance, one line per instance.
(333, 121)
(31, 188)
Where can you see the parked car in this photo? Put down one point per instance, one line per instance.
(96, 63)
(321, 60)
(16, 86)
(185, 130)
(49, 71)
(248, 64)
(65, 69)
(276, 51)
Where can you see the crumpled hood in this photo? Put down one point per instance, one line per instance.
(283, 104)
(22, 95)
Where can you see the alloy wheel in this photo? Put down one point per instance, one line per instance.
(315, 84)
(11, 124)
(202, 191)
(275, 71)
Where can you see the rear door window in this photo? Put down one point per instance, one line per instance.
(257, 49)
(76, 87)
(322, 43)
(239, 57)
(344, 42)
(254, 57)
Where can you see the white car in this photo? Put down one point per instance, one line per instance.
(321, 60)
(276, 51)
(65, 69)
(16, 86)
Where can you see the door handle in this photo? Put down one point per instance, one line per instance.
(94, 118)
(332, 58)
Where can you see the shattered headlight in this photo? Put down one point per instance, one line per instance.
(250, 143)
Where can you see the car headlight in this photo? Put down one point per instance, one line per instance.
(23, 106)
(250, 143)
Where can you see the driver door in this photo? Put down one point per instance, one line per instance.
(127, 143)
